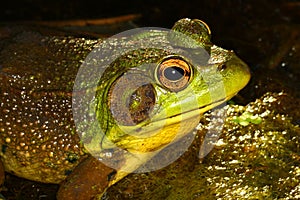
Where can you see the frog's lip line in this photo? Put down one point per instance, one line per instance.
(208, 106)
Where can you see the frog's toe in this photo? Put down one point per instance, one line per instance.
(89, 179)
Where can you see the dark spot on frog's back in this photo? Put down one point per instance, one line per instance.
(72, 157)
(68, 172)
(3, 148)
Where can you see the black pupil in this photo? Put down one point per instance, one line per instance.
(173, 73)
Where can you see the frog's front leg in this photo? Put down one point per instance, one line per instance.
(89, 180)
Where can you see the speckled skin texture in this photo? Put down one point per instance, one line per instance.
(38, 139)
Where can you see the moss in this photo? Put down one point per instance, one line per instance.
(257, 161)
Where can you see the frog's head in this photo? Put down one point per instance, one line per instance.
(154, 94)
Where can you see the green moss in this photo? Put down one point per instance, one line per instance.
(257, 161)
(246, 118)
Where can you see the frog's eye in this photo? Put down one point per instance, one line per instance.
(174, 73)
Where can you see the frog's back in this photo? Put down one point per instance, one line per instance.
(37, 132)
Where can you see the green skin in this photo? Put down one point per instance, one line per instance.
(38, 135)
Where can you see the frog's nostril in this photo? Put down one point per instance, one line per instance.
(222, 67)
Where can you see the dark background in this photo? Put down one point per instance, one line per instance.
(234, 23)
(155, 12)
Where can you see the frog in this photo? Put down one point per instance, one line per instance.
(159, 92)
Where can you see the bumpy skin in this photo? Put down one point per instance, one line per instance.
(38, 139)
(38, 136)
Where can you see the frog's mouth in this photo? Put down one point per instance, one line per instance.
(193, 114)
(199, 110)
(189, 114)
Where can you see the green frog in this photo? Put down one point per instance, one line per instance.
(146, 99)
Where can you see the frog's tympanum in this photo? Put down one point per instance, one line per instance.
(157, 91)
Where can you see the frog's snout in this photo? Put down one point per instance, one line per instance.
(240, 69)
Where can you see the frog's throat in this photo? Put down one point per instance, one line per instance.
(184, 122)
(186, 115)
